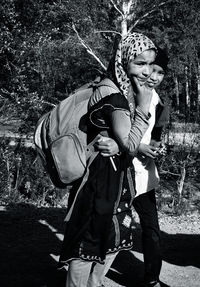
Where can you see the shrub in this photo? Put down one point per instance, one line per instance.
(23, 178)
(179, 170)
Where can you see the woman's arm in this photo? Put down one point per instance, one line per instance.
(113, 113)
(128, 135)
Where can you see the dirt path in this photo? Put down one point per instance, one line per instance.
(31, 239)
(181, 253)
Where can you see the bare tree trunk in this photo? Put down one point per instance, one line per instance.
(198, 90)
(18, 164)
(9, 177)
(187, 93)
(180, 184)
(126, 11)
(124, 28)
(177, 93)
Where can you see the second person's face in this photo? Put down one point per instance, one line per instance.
(156, 76)
(142, 66)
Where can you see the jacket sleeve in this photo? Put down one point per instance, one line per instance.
(128, 135)
(162, 119)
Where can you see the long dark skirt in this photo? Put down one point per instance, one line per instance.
(90, 228)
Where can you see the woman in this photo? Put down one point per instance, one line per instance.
(100, 222)
(146, 179)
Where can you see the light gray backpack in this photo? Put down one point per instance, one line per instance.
(59, 139)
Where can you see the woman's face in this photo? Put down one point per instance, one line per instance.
(142, 66)
(156, 76)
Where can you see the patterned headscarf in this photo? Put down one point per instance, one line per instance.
(128, 49)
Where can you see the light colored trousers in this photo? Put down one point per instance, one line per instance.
(81, 274)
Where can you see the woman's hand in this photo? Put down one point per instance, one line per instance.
(143, 95)
(106, 146)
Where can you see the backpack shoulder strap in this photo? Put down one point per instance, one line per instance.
(105, 88)
(108, 83)
(84, 179)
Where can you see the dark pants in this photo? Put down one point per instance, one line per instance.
(145, 206)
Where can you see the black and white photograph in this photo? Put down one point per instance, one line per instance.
(99, 143)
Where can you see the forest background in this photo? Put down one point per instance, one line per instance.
(48, 48)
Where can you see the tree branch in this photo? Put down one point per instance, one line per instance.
(48, 103)
(107, 31)
(89, 50)
(154, 8)
(168, 172)
(118, 10)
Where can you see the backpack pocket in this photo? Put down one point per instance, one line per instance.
(69, 158)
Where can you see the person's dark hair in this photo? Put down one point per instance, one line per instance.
(110, 72)
(162, 59)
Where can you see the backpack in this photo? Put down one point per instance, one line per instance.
(60, 138)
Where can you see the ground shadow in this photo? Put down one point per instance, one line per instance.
(181, 249)
(126, 270)
(178, 249)
(30, 246)
(26, 245)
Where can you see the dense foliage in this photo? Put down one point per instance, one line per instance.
(47, 48)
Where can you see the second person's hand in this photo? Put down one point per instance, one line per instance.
(148, 150)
